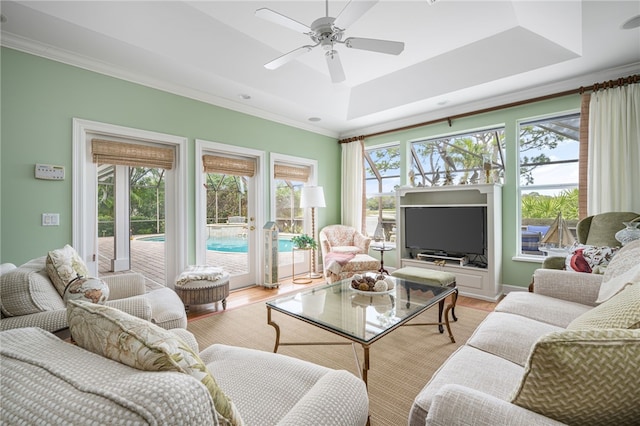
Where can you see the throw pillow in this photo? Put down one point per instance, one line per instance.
(64, 265)
(92, 290)
(585, 258)
(583, 377)
(620, 311)
(615, 284)
(140, 344)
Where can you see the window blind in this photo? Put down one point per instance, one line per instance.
(131, 154)
(298, 174)
(228, 165)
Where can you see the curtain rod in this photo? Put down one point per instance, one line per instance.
(594, 87)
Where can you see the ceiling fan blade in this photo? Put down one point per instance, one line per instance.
(280, 19)
(352, 12)
(287, 57)
(335, 66)
(375, 45)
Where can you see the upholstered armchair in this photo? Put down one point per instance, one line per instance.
(28, 298)
(345, 252)
(597, 230)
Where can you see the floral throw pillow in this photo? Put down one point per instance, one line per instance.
(92, 290)
(63, 266)
(585, 258)
(140, 344)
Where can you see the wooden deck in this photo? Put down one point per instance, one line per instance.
(147, 258)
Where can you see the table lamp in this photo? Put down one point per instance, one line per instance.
(312, 196)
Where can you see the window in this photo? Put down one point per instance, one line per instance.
(548, 170)
(288, 181)
(473, 157)
(382, 176)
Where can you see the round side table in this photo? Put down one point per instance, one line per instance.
(382, 249)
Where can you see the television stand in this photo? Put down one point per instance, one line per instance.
(463, 260)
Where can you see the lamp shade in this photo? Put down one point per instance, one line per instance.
(312, 196)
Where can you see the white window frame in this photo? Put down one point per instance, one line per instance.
(519, 188)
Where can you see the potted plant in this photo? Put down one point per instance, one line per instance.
(304, 241)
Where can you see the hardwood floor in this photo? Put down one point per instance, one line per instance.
(253, 294)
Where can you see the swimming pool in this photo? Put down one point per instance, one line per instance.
(226, 244)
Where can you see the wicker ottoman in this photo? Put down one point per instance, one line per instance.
(199, 285)
(430, 277)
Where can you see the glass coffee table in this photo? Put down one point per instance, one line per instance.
(361, 317)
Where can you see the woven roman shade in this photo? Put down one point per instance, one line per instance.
(130, 154)
(228, 165)
(298, 174)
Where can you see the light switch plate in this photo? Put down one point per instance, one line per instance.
(49, 172)
(50, 219)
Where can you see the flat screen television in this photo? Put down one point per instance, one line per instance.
(446, 230)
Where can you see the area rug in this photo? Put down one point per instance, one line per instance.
(401, 363)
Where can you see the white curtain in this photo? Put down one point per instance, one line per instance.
(352, 184)
(614, 150)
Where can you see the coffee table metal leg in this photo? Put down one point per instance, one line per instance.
(274, 325)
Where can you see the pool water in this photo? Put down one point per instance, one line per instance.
(227, 244)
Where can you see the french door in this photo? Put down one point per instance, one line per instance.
(85, 238)
(228, 214)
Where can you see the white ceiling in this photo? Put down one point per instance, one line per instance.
(459, 55)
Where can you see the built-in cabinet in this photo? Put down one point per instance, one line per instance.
(482, 281)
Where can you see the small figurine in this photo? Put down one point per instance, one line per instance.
(412, 178)
(474, 177)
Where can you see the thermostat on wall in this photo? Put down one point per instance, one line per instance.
(49, 172)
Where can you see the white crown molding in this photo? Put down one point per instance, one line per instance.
(58, 55)
(49, 52)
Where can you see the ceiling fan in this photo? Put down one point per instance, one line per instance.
(327, 32)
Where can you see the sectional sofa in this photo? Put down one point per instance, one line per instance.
(566, 353)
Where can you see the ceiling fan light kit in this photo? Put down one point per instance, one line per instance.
(327, 32)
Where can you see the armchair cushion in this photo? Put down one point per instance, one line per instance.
(64, 265)
(583, 377)
(142, 345)
(27, 290)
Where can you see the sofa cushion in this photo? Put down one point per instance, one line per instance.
(472, 368)
(543, 308)
(613, 285)
(621, 311)
(583, 377)
(28, 290)
(142, 345)
(64, 265)
(509, 336)
(626, 258)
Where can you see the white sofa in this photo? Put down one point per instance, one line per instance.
(46, 380)
(548, 357)
(28, 298)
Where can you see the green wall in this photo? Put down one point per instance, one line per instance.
(39, 99)
(514, 272)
